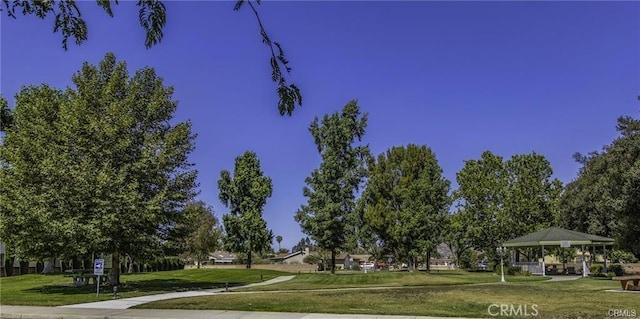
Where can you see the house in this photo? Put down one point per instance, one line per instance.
(291, 258)
(222, 257)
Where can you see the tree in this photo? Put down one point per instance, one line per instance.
(153, 16)
(97, 168)
(245, 194)
(205, 233)
(407, 201)
(328, 216)
(604, 198)
(279, 240)
(458, 234)
(500, 200)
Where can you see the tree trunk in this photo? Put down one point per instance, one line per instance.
(249, 260)
(333, 262)
(114, 273)
(428, 261)
(130, 270)
(8, 262)
(199, 260)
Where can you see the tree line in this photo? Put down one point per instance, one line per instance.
(103, 168)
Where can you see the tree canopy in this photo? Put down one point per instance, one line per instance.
(204, 234)
(95, 168)
(245, 194)
(499, 200)
(328, 217)
(407, 201)
(605, 197)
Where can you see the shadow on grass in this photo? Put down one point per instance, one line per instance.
(152, 285)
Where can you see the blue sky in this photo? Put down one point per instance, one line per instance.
(460, 77)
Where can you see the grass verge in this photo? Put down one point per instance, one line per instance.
(56, 290)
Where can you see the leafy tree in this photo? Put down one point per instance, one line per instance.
(304, 242)
(204, 232)
(245, 194)
(152, 14)
(500, 200)
(328, 216)
(458, 233)
(279, 240)
(97, 168)
(604, 198)
(407, 201)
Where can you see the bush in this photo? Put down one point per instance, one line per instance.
(514, 270)
(611, 274)
(596, 270)
(311, 259)
(621, 256)
(616, 269)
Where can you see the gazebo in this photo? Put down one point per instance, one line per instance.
(555, 236)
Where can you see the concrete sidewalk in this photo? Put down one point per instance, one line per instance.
(22, 312)
(127, 303)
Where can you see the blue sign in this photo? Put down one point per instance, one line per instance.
(98, 267)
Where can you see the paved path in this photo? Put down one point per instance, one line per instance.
(15, 312)
(127, 303)
(563, 278)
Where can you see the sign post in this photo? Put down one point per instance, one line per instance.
(98, 269)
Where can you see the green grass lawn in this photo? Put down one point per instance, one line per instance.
(56, 290)
(446, 294)
(385, 279)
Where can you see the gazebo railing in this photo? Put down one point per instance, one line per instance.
(534, 268)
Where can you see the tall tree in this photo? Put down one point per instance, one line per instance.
(245, 194)
(279, 240)
(96, 168)
(603, 199)
(152, 15)
(328, 217)
(501, 200)
(407, 201)
(204, 234)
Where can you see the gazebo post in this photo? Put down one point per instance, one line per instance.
(604, 248)
(544, 268)
(584, 264)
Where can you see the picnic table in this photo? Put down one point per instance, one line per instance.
(624, 280)
(81, 277)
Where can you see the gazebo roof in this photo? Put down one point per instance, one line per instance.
(554, 236)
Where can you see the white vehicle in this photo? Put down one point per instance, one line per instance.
(368, 266)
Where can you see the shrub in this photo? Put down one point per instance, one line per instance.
(616, 269)
(596, 270)
(621, 256)
(514, 270)
(311, 259)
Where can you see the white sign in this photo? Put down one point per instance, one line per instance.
(565, 243)
(98, 267)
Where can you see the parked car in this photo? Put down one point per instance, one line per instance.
(368, 266)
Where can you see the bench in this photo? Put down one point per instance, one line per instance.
(624, 280)
(81, 277)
